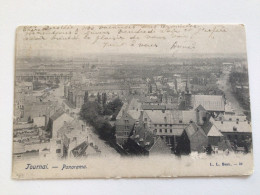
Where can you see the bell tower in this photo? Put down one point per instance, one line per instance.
(188, 95)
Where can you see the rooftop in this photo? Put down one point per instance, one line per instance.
(209, 102)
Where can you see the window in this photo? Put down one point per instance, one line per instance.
(160, 125)
(155, 131)
(165, 130)
(160, 130)
(58, 151)
(170, 125)
(155, 125)
(180, 121)
(58, 142)
(145, 119)
(170, 130)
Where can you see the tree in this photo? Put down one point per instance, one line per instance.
(103, 128)
(90, 111)
(86, 97)
(99, 98)
(116, 103)
(106, 110)
(104, 98)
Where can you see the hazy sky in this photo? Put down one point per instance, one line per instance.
(149, 39)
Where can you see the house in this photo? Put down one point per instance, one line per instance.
(56, 121)
(236, 131)
(159, 147)
(193, 139)
(38, 109)
(213, 133)
(84, 150)
(143, 142)
(125, 124)
(69, 136)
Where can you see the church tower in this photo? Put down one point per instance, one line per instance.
(188, 95)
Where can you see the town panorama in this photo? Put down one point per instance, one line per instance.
(131, 104)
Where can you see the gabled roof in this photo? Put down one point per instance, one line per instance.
(134, 114)
(57, 114)
(159, 143)
(80, 150)
(200, 108)
(192, 129)
(214, 132)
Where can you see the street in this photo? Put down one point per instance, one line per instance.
(105, 149)
(225, 86)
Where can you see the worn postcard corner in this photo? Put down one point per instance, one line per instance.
(131, 101)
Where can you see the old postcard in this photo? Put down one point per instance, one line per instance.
(129, 101)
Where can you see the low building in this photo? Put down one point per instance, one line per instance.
(236, 131)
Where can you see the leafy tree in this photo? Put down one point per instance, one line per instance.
(86, 97)
(116, 103)
(89, 111)
(106, 110)
(99, 98)
(104, 98)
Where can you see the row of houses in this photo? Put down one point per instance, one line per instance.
(181, 131)
(75, 93)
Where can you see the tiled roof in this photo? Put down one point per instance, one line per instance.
(214, 132)
(153, 107)
(134, 114)
(200, 108)
(171, 116)
(57, 114)
(192, 129)
(105, 87)
(209, 102)
(23, 126)
(233, 126)
(189, 116)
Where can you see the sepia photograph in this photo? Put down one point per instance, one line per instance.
(131, 101)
